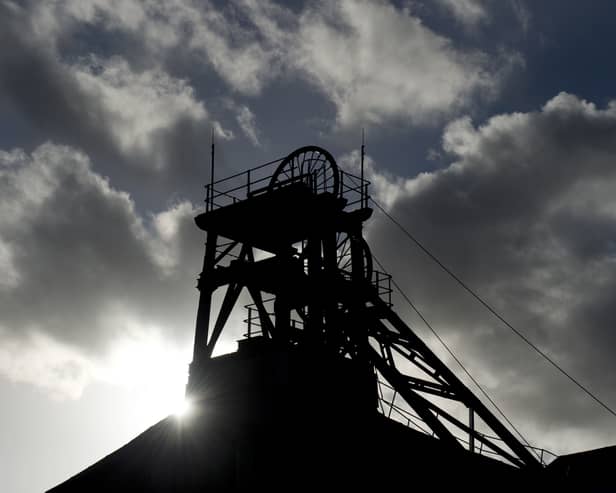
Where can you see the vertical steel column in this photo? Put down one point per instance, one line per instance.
(333, 333)
(357, 260)
(282, 312)
(315, 309)
(358, 279)
(205, 297)
(471, 425)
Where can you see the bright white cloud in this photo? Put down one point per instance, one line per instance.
(385, 187)
(138, 105)
(222, 133)
(239, 53)
(246, 64)
(377, 62)
(460, 137)
(247, 121)
(42, 361)
(374, 61)
(166, 243)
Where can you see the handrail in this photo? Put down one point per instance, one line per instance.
(353, 188)
(405, 413)
(222, 180)
(382, 283)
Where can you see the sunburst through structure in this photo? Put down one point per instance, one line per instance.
(330, 387)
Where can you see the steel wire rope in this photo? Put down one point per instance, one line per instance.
(492, 310)
(456, 359)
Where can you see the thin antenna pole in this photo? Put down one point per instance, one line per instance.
(363, 153)
(212, 173)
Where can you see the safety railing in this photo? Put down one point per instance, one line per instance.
(253, 319)
(389, 408)
(382, 283)
(255, 181)
(354, 189)
(380, 280)
(239, 186)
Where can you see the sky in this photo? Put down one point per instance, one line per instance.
(490, 135)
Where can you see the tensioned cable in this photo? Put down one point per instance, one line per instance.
(492, 310)
(412, 305)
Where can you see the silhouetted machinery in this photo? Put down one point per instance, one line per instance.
(324, 349)
(329, 388)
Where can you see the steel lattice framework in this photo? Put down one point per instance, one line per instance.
(293, 239)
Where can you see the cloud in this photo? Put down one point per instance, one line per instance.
(87, 269)
(219, 36)
(469, 12)
(522, 14)
(248, 123)
(374, 61)
(246, 120)
(136, 121)
(377, 62)
(137, 106)
(385, 187)
(525, 214)
(42, 361)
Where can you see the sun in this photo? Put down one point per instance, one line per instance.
(153, 373)
(183, 408)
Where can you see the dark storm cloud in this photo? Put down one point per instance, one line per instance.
(139, 123)
(34, 84)
(525, 212)
(79, 265)
(407, 73)
(138, 85)
(526, 215)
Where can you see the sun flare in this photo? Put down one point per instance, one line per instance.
(183, 408)
(153, 371)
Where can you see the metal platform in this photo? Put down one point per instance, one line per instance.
(274, 221)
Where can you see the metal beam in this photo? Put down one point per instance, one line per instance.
(478, 436)
(465, 395)
(421, 405)
(431, 388)
(205, 298)
(267, 325)
(231, 296)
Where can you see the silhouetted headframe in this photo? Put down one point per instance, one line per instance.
(329, 388)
